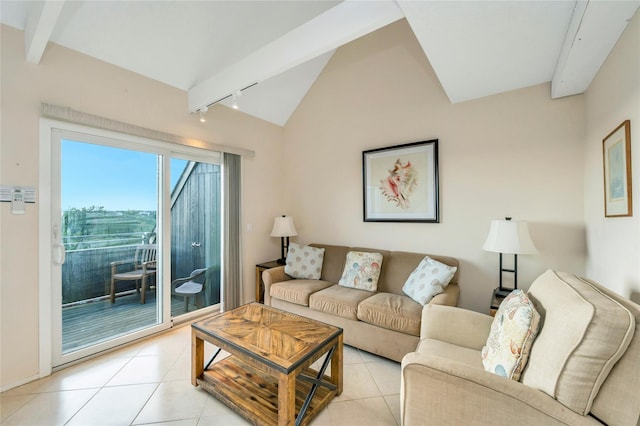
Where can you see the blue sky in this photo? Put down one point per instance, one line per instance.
(117, 179)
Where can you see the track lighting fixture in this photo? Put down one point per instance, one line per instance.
(203, 111)
(234, 98)
(234, 102)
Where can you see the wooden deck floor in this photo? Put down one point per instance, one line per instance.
(93, 322)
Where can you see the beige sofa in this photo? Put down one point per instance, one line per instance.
(583, 368)
(386, 322)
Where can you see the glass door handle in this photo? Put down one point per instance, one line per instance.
(59, 254)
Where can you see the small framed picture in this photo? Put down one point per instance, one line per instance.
(400, 183)
(616, 150)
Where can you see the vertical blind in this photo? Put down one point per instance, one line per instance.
(231, 246)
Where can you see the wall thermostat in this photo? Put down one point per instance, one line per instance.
(17, 202)
(18, 196)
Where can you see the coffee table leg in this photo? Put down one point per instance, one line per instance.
(197, 358)
(286, 399)
(336, 367)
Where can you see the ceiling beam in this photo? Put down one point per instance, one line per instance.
(593, 32)
(560, 81)
(41, 21)
(337, 26)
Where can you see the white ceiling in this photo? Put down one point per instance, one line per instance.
(212, 49)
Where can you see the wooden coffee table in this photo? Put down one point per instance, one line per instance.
(268, 378)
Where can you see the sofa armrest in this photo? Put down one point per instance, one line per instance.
(458, 326)
(440, 391)
(272, 276)
(448, 297)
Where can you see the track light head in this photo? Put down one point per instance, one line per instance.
(203, 111)
(234, 99)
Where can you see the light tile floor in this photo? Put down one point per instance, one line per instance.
(149, 383)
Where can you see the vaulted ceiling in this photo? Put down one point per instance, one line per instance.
(263, 56)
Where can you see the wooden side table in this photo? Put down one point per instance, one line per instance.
(260, 267)
(496, 300)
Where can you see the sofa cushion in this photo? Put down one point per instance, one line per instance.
(361, 270)
(428, 279)
(338, 300)
(297, 291)
(333, 261)
(304, 262)
(583, 335)
(513, 331)
(619, 392)
(391, 311)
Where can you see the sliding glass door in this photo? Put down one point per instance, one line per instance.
(196, 237)
(136, 240)
(109, 212)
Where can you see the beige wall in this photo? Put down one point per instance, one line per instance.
(614, 96)
(517, 154)
(70, 79)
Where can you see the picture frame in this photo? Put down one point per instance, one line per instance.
(616, 156)
(401, 183)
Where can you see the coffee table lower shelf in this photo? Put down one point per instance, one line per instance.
(254, 394)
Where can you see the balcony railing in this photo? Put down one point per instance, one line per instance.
(86, 274)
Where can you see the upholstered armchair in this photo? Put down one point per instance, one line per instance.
(583, 366)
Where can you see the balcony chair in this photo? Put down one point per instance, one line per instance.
(144, 265)
(191, 286)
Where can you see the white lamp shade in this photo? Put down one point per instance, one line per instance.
(509, 236)
(283, 227)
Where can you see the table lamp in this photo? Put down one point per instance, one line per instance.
(283, 227)
(509, 237)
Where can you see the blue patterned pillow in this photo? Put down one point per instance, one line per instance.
(428, 279)
(304, 262)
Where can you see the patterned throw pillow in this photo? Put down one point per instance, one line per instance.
(513, 331)
(361, 270)
(427, 280)
(304, 262)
